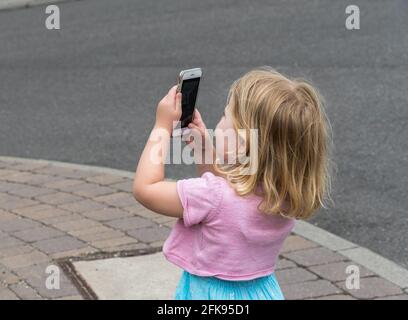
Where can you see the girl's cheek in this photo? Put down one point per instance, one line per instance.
(224, 143)
(220, 146)
(220, 124)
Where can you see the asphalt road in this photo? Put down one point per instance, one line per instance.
(87, 93)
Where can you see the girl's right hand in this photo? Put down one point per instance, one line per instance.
(204, 152)
(199, 130)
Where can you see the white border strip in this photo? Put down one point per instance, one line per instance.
(381, 266)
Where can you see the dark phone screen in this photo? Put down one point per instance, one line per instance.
(189, 90)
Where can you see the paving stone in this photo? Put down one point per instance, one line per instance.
(137, 209)
(309, 289)
(372, 287)
(7, 242)
(284, 264)
(164, 219)
(24, 291)
(4, 196)
(65, 172)
(126, 186)
(82, 206)
(63, 184)
(3, 234)
(74, 187)
(92, 237)
(337, 271)
(90, 190)
(15, 250)
(31, 178)
(7, 277)
(3, 165)
(157, 244)
(7, 172)
(59, 198)
(294, 243)
(62, 218)
(41, 180)
(106, 214)
(118, 199)
(314, 256)
(24, 260)
(170, 224)
(28, 166)
(130, 223)
(74, 253)
(150, 234)
(7, 294)
(30, 191)
(294, 275)
(36, 277)
(36, 234)
(18, 224)
(106, 179)
(41, 212)
(59, 244)
(77, 174)
(14, 175)
(6, 186)
(5, 216)
(13, 202)
(76, 224)
(92, 230)
(109, 243)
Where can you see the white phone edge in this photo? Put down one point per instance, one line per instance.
(185, 75)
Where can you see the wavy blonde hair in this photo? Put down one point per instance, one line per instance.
(293, 142)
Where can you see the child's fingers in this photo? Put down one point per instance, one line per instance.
(193, 126)
(172, 92)
(178, 104)
(198, 120)
(197, 116)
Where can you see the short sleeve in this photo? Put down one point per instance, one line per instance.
(200, 197)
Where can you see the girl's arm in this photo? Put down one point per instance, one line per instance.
(149, 187)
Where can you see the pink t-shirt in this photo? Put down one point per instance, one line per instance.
(223, 234)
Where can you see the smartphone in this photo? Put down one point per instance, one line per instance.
(188, 83)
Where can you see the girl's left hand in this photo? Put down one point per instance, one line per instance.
(169, 109)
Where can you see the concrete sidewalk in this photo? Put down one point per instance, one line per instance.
(84, 219)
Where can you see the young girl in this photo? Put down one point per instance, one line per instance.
(232, 225)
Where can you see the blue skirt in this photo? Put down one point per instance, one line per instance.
(192, 287)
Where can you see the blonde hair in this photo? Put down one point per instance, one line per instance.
(293, 142)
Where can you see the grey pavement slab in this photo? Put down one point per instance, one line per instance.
(136, 278)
